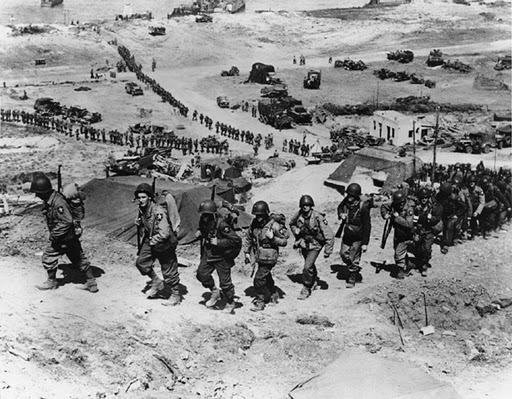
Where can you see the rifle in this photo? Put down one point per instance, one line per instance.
(214, 189)
(385, 233)
(59, 179)
(139, 241)
(340, 229)
(153, 186)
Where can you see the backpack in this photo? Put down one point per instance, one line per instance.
(75, 197)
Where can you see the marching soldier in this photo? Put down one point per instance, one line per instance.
(428, 223)
(401, 213)
(220, 246)
(264, 238)
(312, 233)
(477, 198)
(454, 208)
(354, 214)
(156, 240)
(63, 237)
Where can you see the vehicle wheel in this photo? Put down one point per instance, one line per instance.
(468, 149)
(486, 149)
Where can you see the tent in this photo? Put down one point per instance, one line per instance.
(224, 189)
(387, 165)
(219, 169)
(109, 206)
(360, 375)
(259, 73)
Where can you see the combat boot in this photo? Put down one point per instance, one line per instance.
(50, 283)
(230, 307)
(90, 285)
(174, 298)
(210, 303)
(401, 274)
(304, 293)
(157, 285)
(258, 305)
(351, 280)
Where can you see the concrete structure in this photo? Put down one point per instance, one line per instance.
(396, 127)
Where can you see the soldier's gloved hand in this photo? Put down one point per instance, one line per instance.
(198, 234)
(396, 214)
(269, 234)
(247, 259)
(343, 216)
(415, 218)
(364, 248)
(475, 215)
(387, 216)
(138, 222)
(213, 240)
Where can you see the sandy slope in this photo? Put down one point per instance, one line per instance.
(83, 345)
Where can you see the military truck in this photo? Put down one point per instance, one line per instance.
(133, 89)
(504, 136)
(234, 71)
(504, 63)
(313, 80)
(402, 56)
(282, 113)
(222, 102)
(475, 143)
(435, 58)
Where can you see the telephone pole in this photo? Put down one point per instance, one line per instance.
(436, 134)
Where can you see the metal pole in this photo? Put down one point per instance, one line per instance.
(436, 134)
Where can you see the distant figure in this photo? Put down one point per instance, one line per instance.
(153, 65)
(330, 60)
(294, 60)
(92, 73)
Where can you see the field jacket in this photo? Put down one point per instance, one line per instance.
(314, 230)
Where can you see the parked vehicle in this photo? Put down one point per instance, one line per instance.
(223, 102)
(313, 80)
(133, 89)
(475, 143)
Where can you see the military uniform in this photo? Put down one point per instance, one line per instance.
(264, 239)
(63, 240)
(218, 242)
(428, 223)
(312, 233)
(158, 241)
(403, 237)
(356, 233)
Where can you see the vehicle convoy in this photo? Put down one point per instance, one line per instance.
(475, 143)
(133, 89)
(283, 112)
(313, 80)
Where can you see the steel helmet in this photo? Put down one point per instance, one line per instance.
(41, 184)
(456, 181)
(485, 182)
(260, 208)
(423, 192)
(446, 188)
(471, 179)
(208, 206)
(306, 200)
(144, 188)
(354, 189)
(399, 197)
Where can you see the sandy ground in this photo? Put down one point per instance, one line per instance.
(83, 346)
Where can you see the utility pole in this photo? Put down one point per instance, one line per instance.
(436, 133)
(414, 147)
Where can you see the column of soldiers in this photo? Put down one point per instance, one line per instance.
(418, 213)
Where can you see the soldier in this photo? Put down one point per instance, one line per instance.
(312, 233)
(454, 208)
(477, 198)
(219, 247)
(428, 223)
(156, 240)
(401, 212)
(264, 238)
(63, 237)
(354, 212)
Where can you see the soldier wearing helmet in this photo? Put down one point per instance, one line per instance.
(428, 224)
(312, 233)
(263, 239)
(454, 208)
(63, 238)
(401, 213)
(463, 193)
(354, 212)
(495, 203)
(220, 246)
(156, 241)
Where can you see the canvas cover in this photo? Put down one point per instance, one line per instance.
(110, 206)
(259, 72)
(357, 374)
(396, 169)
